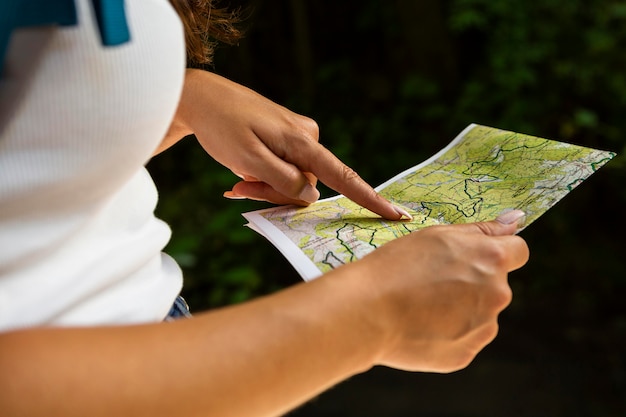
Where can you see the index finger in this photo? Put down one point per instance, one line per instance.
(315, 158)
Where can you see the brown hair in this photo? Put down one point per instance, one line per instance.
(205, 26)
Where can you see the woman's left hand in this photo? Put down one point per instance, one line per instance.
(273, 150)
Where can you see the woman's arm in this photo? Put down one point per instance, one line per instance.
(257, 359)
(428, 301)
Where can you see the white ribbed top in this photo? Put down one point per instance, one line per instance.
(79, 243)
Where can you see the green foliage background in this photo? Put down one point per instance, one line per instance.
(392, 82)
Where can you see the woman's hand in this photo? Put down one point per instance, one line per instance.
(438, 292)
(274, 151)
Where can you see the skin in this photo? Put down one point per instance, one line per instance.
(274, 150)
(435, 309)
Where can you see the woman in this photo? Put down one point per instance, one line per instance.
(85, 289)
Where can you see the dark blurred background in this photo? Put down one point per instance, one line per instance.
(391, 82)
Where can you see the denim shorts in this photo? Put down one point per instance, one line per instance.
(179, 310)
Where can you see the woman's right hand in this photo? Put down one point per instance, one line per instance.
(437, 293)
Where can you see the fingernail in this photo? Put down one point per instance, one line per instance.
(231, 195)
(511, 216)
(402, 212)
(309, 194)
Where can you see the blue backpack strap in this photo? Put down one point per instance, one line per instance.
(19, 13)
(110, 15)
(112, 23)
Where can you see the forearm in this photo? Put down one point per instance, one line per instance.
(175, 133)
(258, 359)
(204, 100)
(178, 128)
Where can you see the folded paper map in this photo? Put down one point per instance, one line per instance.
(483, 172)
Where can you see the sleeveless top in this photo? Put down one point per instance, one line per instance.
(79, 242)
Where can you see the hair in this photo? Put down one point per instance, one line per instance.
(205, 26)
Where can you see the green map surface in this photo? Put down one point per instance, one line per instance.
(481, 173)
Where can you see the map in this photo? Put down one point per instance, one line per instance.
(483, 172)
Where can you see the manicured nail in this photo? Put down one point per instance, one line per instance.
(511, 216)
(231, 195)
(309, 194)
(402, 212)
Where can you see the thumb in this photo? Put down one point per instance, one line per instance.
(506, 223)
